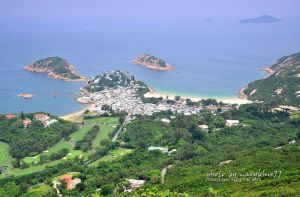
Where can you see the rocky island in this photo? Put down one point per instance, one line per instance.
(25, 96)
(56, 68)
(281, 86)
(153, 62)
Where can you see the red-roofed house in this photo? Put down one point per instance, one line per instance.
(41, 117)
(10, 116)
(70, 182)
(26, 122)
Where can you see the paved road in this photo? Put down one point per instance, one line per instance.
(125, 122)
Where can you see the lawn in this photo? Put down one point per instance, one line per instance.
(107, 125)
(104, 132)
(4, 153)
(31, 169)
(78, 135)
(41, 189)
(112, 155)
(103, 121)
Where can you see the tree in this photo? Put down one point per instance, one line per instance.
(177, 98)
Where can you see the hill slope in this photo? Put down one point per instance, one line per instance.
(56, 67)
(282, 86)
(153, 62)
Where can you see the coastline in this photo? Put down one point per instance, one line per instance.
(49, 72)
(234, 100)
(77, 115)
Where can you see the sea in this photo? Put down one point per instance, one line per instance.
(212, 59)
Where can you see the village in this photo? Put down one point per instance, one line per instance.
(126, 99)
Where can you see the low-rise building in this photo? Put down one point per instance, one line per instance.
(231, 123)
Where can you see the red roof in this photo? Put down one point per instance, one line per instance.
(41, 116)
(67, 178)
(10, 116)
(26, 122)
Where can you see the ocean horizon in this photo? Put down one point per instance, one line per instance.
(211, 59)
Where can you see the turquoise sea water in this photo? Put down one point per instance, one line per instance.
(211, 59)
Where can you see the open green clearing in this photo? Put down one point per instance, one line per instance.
(107, 125)
(4, 153)
(41, 189)
(31, 169)
(112, 155)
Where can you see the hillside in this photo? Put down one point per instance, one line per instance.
(282, 86)
(56, 68)
(113, 79)
(152, 62)
(257, 157)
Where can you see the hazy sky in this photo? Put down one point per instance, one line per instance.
(145, 10)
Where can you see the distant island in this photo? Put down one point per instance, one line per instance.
(261, 19)
(153, 62)
(282, 84)
(25, 96)
(56, 68)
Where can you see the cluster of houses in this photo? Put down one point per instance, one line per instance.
(126, 99)
(45, 119)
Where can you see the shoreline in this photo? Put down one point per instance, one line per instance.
(49, 72)
(76, 116)
(157, 94)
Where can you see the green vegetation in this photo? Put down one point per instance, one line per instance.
(4, 153)
(57, 66)
(114, 79)
(86, 143)
(150, 59)
(33, 139)
(281, 87)
(112, 155)
(41, 191)
(264, 141)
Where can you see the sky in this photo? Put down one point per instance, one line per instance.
(145, 10)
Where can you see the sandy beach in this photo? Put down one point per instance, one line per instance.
(77, 116)
(236, 100)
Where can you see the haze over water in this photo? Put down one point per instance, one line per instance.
(212, 59)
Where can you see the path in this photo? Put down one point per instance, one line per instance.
(125, 122)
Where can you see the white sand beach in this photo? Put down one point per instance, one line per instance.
(236, 100)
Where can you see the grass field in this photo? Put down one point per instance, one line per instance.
(4, 153)
(41, 189)
(112, 155)
(103, 121)
(295, 116)
(107, 125)
(31, 169)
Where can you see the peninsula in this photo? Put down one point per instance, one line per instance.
(281, 86)
(56, 68)
(153, 63)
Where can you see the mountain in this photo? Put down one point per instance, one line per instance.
(56, 68)
(152, 62)
(282, 86)
(261, 19)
